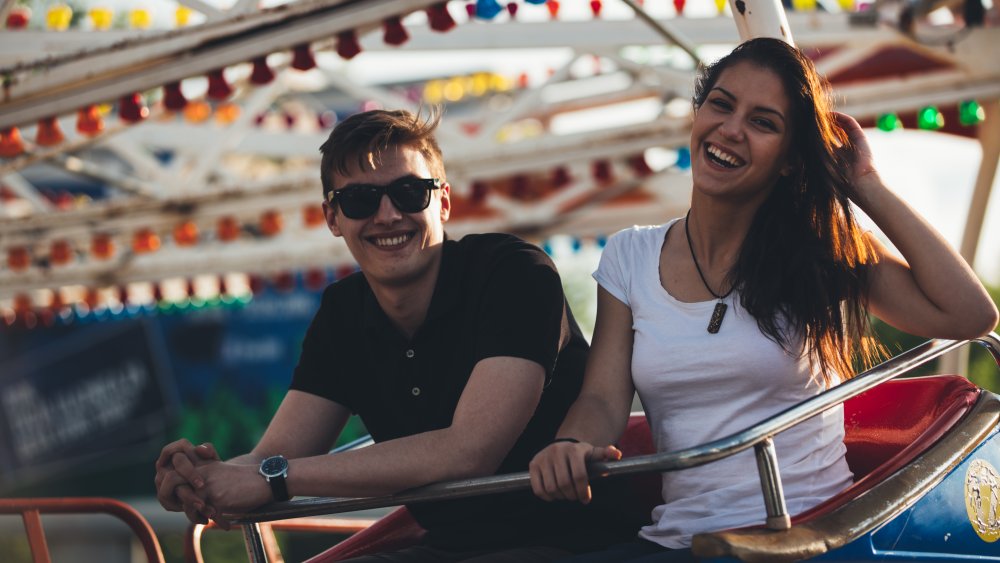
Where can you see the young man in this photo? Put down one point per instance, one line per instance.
(461, 357)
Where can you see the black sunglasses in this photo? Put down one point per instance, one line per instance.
(361, 201)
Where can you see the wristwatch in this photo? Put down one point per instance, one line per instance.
(274, 470)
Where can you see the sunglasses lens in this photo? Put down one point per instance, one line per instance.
(359, 202)
(410, 196)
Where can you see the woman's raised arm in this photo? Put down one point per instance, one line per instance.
(931, 291)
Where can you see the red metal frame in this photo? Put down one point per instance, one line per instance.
(31, 510)
(192, 539)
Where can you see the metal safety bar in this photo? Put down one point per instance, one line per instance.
(758, 436)
(31, 510)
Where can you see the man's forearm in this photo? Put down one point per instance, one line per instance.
(247, 459)
(391, 466)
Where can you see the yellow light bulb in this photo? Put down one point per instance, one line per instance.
(182, 16)
(140, 18)
(101, 17)
(58, 17)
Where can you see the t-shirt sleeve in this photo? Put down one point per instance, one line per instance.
(522, 308)
(316, 372)
(611, 271)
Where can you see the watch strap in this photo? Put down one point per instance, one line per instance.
(279, 489)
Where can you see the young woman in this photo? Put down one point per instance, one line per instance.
(754, 301)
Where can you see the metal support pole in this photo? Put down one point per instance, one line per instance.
(254, 543)
(989, 139)
(761, 18)
(770, 484)
(671, 36)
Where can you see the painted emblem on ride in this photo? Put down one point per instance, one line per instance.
(982, 499)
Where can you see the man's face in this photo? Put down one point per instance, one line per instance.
(393, 248)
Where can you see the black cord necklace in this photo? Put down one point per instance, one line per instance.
(720, 308)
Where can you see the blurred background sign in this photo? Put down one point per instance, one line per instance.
(93, 394)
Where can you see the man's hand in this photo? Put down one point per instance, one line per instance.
(232, 487)
(178, 480)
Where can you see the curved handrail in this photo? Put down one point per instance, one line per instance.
(31, 509)
(758, 436)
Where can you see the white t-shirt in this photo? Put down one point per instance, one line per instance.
(697, 387)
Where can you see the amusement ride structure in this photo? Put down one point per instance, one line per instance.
(141, 165)
(134, 157)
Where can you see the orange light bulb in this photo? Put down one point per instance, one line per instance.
(18, 258)
(102, 246)
(228, 229)
(313, 216)
(186, 233)
(271, 223)
(89, 121)
(60, 253)
(145, 241)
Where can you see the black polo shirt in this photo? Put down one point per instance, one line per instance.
(496, 295)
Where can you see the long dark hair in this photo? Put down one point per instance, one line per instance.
(803, 268)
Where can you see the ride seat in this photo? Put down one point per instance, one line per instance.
(885, 428)
(888, 426)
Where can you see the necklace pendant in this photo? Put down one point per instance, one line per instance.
(717, 315)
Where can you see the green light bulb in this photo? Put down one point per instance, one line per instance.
(889, 122)
(971, 113)
(930, 118)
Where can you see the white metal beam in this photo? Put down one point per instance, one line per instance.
(64, 85)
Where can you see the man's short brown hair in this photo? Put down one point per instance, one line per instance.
(364, 137)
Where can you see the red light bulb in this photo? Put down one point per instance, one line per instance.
(347, 44)
(218, 88)
(302, 57)
(602, 171)
(553, 6)
(11, 144)
(132, 108)
(261, 73)
(395, 33)
(173, 97)
(89, 121)
(49, 133)
(440, 18)
(561, 177)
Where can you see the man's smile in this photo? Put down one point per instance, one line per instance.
(391, 240)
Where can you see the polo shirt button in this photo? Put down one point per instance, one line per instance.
(409, 354)
(415, 391)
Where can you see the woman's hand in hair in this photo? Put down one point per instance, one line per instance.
(862, 174)
(559, 472)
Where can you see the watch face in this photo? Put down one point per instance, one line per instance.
(273, 466)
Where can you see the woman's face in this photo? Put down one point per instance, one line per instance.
(741, 136)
